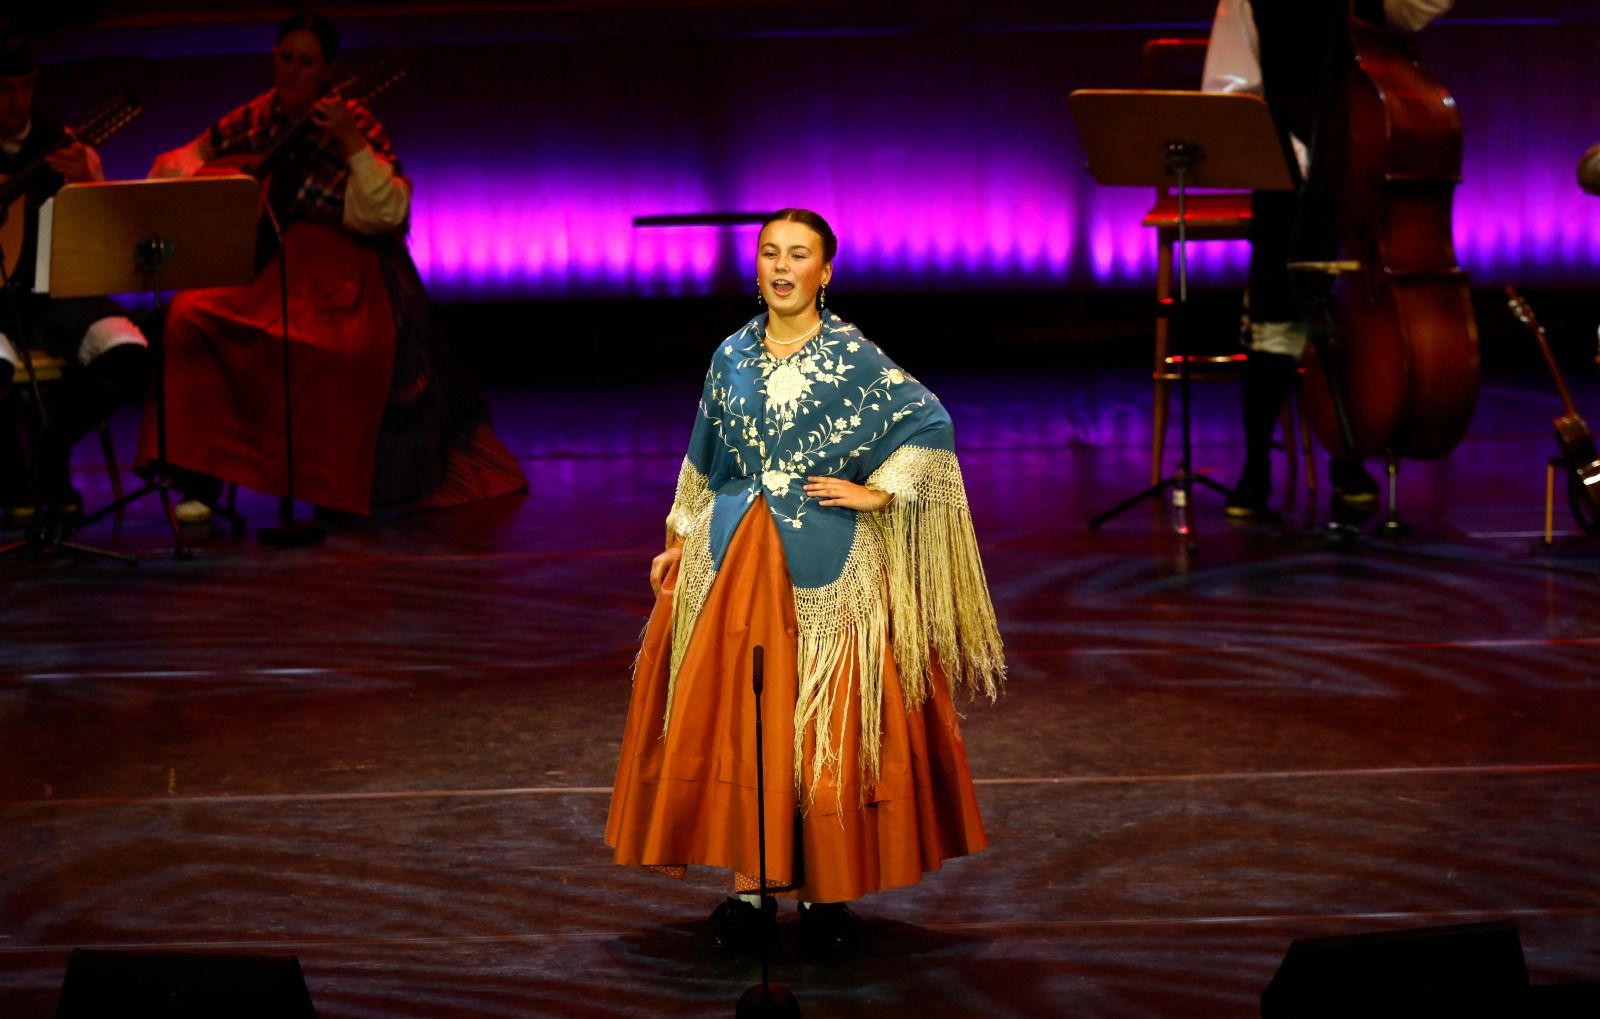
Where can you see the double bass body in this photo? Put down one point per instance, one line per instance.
(1404, 350)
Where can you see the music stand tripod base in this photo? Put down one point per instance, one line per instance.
(120, 237)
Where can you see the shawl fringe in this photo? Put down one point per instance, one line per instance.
(689, 501)
(690, 522)
(938, 594)
(843, 635)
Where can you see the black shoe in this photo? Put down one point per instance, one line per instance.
(1248, 499)
(333, 519)
(67, 504)
(829, 925)
(17, 487)
(737, 924)
(1352, 485)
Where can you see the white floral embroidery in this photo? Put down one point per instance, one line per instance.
(787, 384)
(894, 376)
(777, 482)
(852, 346)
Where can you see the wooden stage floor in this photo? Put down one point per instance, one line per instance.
(390, 755)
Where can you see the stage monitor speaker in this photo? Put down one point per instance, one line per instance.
(1467, 970)
(102, 984)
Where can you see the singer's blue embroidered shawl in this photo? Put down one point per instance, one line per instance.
(839, 406)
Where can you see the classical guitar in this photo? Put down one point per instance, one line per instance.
(361, 87)
(106, 120)
(1577, 445)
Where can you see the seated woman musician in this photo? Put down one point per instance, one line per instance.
(384, 417)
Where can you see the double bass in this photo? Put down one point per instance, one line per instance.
(1400, 365)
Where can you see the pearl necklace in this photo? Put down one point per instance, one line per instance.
(798, 339)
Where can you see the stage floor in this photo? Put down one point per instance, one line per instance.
(390, 754)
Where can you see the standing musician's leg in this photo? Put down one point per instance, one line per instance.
(1277, 339)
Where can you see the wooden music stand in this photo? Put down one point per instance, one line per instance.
(1144, 138)
(154, 235)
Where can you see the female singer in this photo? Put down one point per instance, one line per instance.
(820, 514)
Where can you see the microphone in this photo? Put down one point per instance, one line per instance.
(765, 1000)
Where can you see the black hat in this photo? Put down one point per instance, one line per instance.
(15, 57)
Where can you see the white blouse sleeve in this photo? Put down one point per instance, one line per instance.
(1414, 15)
(1233, 56)
(375, 200)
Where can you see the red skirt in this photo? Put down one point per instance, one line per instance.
(224, 385)
(689, 797)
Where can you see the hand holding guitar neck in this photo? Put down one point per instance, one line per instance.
(362, 87)
(106, 120)
(332, 115)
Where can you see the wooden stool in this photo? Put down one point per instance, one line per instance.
(1178, 63)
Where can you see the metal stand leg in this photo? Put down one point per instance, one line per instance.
(1392, 525)
(1181, 156)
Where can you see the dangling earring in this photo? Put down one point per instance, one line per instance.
(760, 297)
(822, 296)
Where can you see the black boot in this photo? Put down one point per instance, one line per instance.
(16, 487)
(1352, 485)
(1268, 379)
(829, 925)
(737, 924)
(87, 398)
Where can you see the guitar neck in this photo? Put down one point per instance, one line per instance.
(1555, 371)
(93, 130)
(359, 88)
(1524, 314)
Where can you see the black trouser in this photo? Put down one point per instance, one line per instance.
(85, 396)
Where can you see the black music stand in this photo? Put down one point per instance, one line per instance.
(1144, 138)
(154, 235)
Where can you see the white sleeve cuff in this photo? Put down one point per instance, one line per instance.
(1414, 15)
(375, 200)
(1233, 56)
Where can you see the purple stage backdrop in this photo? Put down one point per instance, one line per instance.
(945, 159)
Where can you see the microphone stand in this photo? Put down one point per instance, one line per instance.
(289, 532)
(765, 999)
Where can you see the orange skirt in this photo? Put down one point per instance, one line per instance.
(688, 796)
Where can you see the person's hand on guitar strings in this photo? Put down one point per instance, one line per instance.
(332, 115)
(76, 162)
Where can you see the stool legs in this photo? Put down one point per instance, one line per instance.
(1162, 388)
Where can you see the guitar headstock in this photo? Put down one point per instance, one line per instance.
(1522, 310)
(371, 81)
(108, 118)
